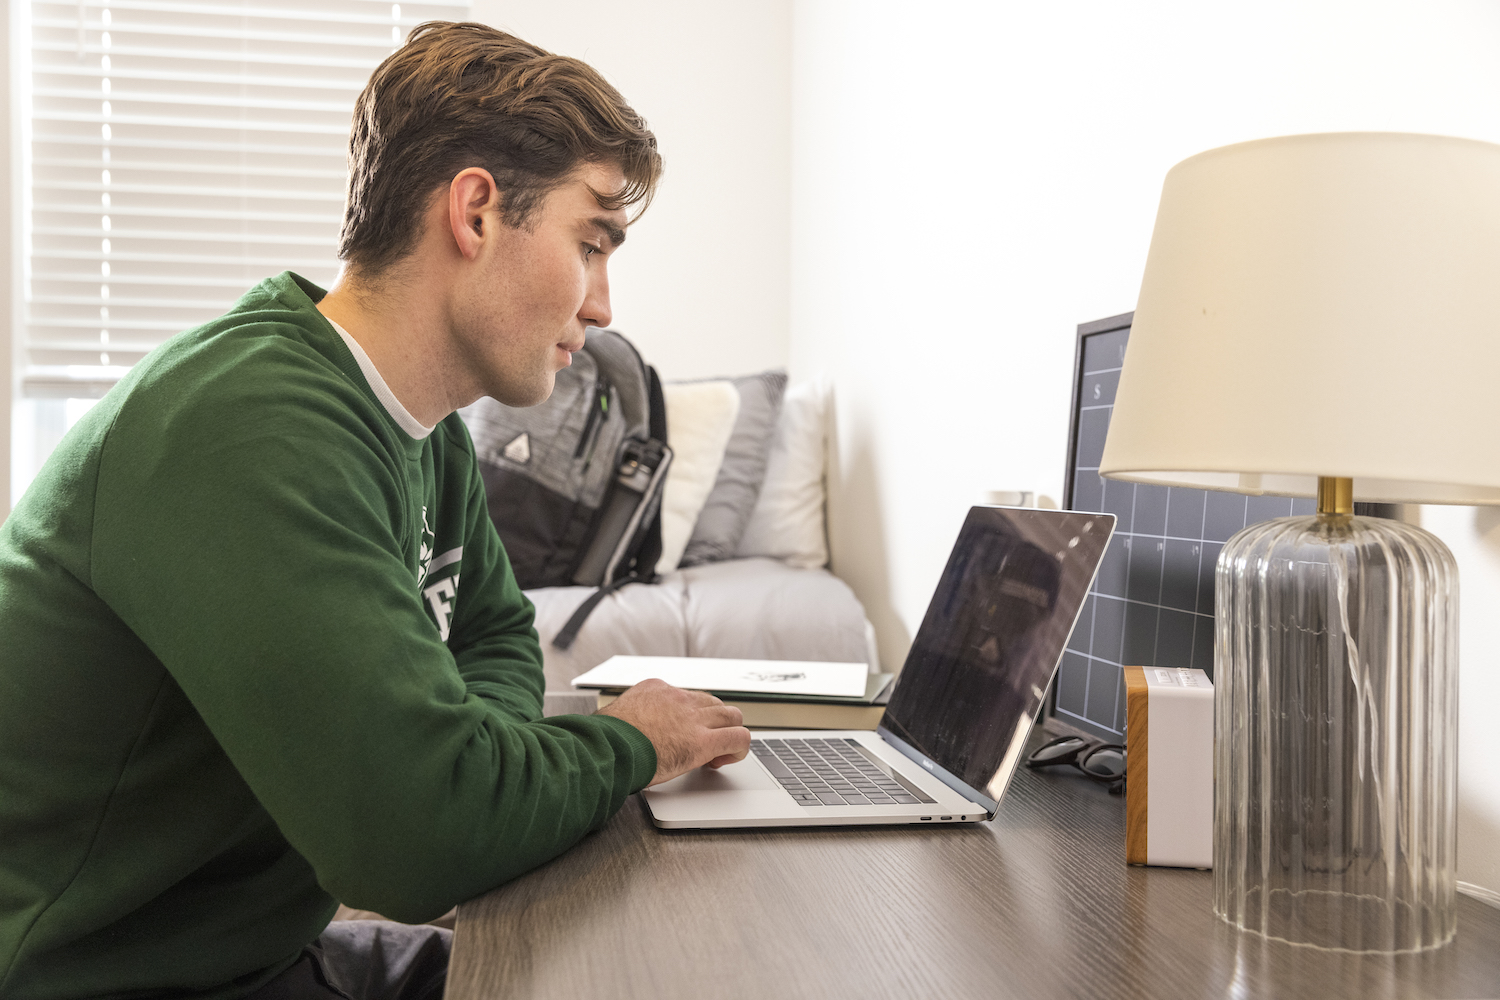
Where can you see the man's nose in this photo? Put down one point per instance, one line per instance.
(595, 311)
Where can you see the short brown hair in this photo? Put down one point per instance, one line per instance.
(468, 95)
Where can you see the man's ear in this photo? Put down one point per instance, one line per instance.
(473, 204)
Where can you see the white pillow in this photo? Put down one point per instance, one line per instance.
(787, 523)
(700, 417)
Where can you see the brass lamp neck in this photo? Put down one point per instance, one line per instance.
(1335, 495)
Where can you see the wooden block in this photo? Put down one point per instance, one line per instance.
(1169, 721)
(1137, 718)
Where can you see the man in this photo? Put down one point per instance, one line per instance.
(224, 703)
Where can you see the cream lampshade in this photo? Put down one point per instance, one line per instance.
(1320, 316)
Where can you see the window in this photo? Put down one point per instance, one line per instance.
(174, 153)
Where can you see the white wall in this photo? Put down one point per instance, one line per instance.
(1474, 536)
(973, 179)
(9, 292)
(702, 284)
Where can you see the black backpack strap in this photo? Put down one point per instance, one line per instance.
(644, 559)
(569, 632)
(657, 421)
(650, 551)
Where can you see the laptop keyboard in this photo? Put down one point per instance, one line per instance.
(819, 772)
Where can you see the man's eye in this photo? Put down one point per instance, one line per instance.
(589, 248)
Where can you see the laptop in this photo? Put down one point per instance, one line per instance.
(953, 731)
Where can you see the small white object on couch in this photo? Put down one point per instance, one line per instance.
(700, 418)
(787, 523)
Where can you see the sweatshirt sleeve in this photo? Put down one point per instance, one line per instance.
(495, 643)
(254, 547)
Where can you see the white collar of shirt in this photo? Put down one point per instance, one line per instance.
(399, 413)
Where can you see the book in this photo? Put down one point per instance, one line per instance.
(806, 712)
(740, 677)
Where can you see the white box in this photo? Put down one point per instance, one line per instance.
(1169, 776)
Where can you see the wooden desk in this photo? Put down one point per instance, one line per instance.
(1038, 903)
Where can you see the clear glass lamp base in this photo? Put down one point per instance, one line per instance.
(1336, 734)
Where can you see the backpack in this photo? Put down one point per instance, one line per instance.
(574, 484)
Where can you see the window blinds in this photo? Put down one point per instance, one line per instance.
(176, 153)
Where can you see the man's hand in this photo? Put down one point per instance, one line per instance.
(687, 728)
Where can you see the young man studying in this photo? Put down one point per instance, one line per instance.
(260, 647)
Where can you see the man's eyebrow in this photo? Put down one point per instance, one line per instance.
(614, 233)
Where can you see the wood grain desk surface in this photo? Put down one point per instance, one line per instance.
(1038, 903)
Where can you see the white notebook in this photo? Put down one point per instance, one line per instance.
(785, 677)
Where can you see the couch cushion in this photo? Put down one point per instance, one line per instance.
(700, 419)
(722, 521)
(787, 522)
(739, 608)
(765, 609)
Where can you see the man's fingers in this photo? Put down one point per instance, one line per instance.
(721, 716)
(727, 745)
(728, 758)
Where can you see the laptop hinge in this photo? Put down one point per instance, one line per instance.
(939, 772)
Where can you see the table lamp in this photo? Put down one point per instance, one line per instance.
(1320, 316)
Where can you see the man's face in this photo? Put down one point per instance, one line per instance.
(523, 307)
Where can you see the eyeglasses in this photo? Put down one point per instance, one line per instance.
(1098, 760)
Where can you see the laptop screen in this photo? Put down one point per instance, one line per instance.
(992, 638)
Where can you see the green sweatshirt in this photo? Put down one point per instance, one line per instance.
(240, 679)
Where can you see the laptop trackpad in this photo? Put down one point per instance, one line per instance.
(747, 775)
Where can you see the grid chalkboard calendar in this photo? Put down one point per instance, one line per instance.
(1153, 600)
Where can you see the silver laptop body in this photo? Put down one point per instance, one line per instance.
(963, 705)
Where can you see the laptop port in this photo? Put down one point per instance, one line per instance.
(926, 818)
(946, 817)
